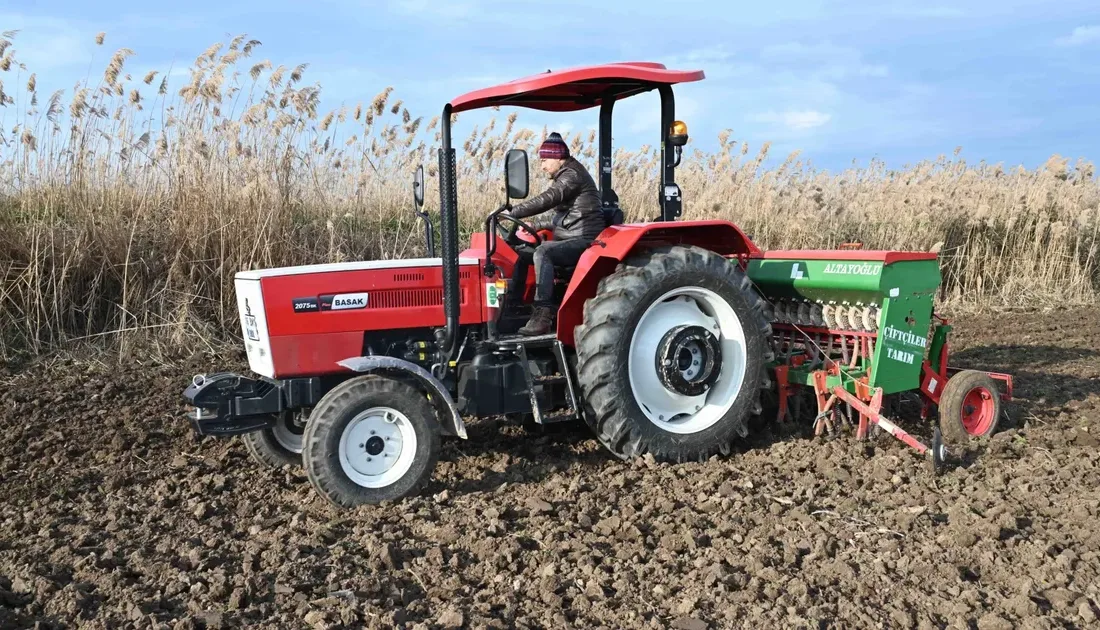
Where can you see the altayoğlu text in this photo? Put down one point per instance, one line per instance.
(852, 269)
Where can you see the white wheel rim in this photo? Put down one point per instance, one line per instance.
(377, 447)
(286, 437)
(670, 410)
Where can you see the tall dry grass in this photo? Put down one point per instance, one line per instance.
(127, 203)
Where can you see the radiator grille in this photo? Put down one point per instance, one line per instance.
(405, 298)
(418, 276)
(411, 298)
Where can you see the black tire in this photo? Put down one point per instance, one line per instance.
(603, 346)
(954, 405)
(336, 410)
(266, 450)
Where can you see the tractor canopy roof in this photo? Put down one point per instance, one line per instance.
(578, 88)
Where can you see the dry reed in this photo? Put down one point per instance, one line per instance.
(130, 210)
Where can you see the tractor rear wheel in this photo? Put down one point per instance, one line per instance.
(969, 407)
(280, 445)
(672, 355)
(371, 439)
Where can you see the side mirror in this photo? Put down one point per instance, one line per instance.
(418, 186)
(516, 174)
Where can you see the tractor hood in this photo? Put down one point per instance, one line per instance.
(302, 321)
(256, 274)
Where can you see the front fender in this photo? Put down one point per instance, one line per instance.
(438, 394)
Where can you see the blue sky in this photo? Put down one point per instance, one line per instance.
(1010, 81)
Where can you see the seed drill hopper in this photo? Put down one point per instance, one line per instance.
(858, 328)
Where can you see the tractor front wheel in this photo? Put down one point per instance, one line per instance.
(969, 407)
(672, 354)
(371, 439)
(280, 445)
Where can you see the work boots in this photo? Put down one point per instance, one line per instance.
(541, 322)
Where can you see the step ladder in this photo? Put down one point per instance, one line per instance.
(519, 345)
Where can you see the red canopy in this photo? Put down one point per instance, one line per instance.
(576, 88)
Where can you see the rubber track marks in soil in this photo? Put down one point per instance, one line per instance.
(604, 338)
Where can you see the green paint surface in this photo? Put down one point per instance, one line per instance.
(903, 290)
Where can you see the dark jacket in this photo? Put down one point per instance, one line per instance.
(575, 200)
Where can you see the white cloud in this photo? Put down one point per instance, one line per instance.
(795, 120)
(928, 12)
(874, 70)
(1080, 36)
(452, 10)
(715, 61)
(709, 54)
(824, 60)
(45, 43)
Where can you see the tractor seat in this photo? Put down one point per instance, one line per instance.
(564, 273)
(613, 215)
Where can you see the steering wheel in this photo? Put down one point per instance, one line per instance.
(510, 236)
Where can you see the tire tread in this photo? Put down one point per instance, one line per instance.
(323, 468)
(265, 450)
(951, 405)
(600, 336)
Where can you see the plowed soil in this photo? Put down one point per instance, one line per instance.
(114, 516)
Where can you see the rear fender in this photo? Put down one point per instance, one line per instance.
(444, 405)
(617, 242)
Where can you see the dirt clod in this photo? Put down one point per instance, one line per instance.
(994, 622)
(1086, 612)
(452, 619)
(212, 620)
(690, 623)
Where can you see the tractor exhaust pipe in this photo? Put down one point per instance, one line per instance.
(418, 204)
(448, 229)
(429, 236)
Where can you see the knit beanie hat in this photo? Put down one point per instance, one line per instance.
(554, 148)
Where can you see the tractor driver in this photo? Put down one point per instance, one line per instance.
(576, 221)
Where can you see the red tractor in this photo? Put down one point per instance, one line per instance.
(661, 343)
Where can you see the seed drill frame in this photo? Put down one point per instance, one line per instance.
(856, 327)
